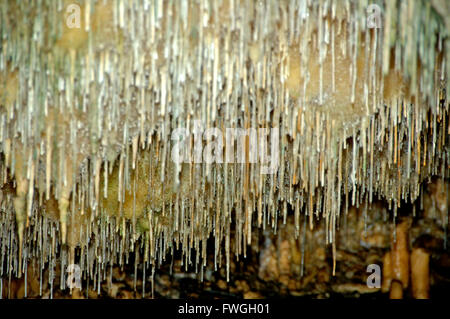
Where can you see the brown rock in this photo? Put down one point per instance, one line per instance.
(252, 295)
(420, 279)
(222, 284)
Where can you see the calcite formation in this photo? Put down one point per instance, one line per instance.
(91, 93)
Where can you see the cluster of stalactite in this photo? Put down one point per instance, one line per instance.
(88, 111)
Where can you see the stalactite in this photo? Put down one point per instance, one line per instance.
(360, 113)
